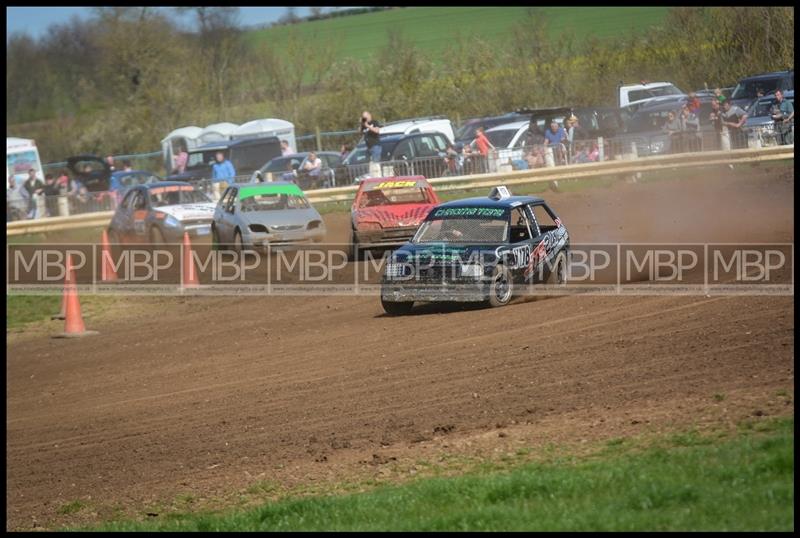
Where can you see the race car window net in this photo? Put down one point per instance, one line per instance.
(273, 202)
(543, 218)
(462, 230)
(160, 198)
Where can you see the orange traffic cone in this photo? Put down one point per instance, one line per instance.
(107, 272)
(189, 277)
(73, 326)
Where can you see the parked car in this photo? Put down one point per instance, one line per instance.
(466, 133)
(405, 155)
(631, 96)
(262, 215)
(644, 127)
(92, 171)
(428, 124)
(247, 155)
(161, 212)
(759, 113)
(747, 88)
(331, 165)
(477, 249)
(387, 211)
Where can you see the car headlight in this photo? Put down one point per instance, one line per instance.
(472, 270)
(314, 224)
(258, 228)
(397, 270)
(368, 226)
(172, 222)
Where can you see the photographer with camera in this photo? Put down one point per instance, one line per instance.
(371, 130)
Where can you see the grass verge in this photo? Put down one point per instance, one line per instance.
(686, 481)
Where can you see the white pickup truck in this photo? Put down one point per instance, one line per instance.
(631, 96)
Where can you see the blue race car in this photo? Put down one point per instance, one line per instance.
(477, 249)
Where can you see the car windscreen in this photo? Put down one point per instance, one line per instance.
(656, 91)
(359, 154)
(280, 164)
(748, 89)
(464, 225)
(394, 193)
(273, 202)
(129, 180)
(648, 121)
(502, 137)
(173, 195)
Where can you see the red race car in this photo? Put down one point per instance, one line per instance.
(388, 211)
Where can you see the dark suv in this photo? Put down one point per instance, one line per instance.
(247, 155)
(407, 154)
(747, 89)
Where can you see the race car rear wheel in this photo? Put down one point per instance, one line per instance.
(502, 287)
(394, 308)
(558, 276)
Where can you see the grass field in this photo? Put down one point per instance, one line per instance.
(687, 481)
(433, 29)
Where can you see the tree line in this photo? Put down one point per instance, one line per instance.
(122, 79)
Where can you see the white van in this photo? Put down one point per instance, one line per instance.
(22, 155)
(433, 124)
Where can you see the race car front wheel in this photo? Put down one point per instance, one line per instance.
(558, 276)
(502, 287)
(396, 308)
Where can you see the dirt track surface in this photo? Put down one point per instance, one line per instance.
(206, 395)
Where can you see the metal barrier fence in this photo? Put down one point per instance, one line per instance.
(625, 147)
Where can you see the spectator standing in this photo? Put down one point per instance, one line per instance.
(17, 200)
(313, 167)
(289, 174)
(110, 162)
(555, 137)
(223, 169)
(594, 155)
(690, 127)
(344, 151)
(63, 181)
(483, 145)
(715, 118)
(783, 116)
(719, 96)
(581, 154)
(51, 193)
(733, 117)
(673, 128)
(179, 165)
(126, 166)
(286, 149)
(35, 188)
(693, 102)
(371, 130)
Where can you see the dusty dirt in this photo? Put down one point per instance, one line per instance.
(209, 395)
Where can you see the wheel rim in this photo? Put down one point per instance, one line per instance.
(502, 289)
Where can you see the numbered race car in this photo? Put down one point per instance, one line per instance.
(161, 212)
(261, 215)
(477, 249)
(388, 211)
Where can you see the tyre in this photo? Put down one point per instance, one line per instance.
(396, 309)
(156, 237)
(558, 275)
(354, 253)
(215, 238)
(238, 245)
(502, 287)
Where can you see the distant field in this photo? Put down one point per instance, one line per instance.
(433, 29)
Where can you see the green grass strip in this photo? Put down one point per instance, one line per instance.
(680, 482)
